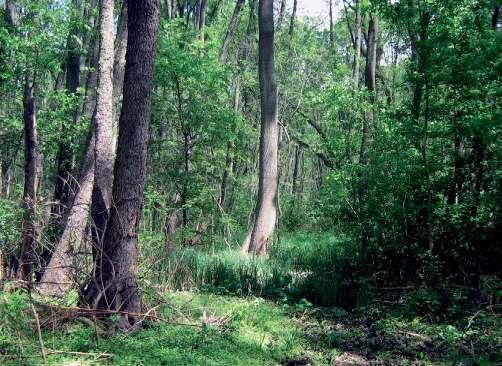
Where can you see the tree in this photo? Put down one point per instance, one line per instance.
(234, 22)
(31, 180)
(266, 208)
(114, 285)
(96, 172)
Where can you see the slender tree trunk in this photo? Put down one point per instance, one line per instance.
(293, 18)
(234, 21)
(370, 78)
(296, 169)
(331, 25)
(103, 123)
(6, 177)
(266, 208)
(169, 8)
(282, 12)
(31, 179)
(115, 284)
(357, 44)
(201, 18)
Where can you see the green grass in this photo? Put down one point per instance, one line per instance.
(301, 265)
(255, 331)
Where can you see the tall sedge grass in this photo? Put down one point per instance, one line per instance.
(307, 266)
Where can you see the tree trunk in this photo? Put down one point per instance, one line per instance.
(234, 21)
(293, 18)
(31, 178)
(59, 275)
(96, 174)
(6, 177)
(357, 44)
(296, 169)
(331, 25)
(370, 78)
(266, 208)
(115, 284)
(201, 18)
(282, 12)
(103, 123)
(119, 61)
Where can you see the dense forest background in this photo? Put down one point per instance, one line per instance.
(347, 168)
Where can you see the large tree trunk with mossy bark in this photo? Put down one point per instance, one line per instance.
(114, 285)
(260, 236)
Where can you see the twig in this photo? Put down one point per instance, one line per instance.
(39, 333)
(95, 312)
(95, 354)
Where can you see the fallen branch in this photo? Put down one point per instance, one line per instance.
(104, 312)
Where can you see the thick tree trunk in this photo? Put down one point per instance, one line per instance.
(31, 178)
(115, 284)
(266, 208)
(234, 21)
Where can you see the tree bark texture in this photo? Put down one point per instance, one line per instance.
(103, 123)
(31, 179)
(266, 209)
(115, 284)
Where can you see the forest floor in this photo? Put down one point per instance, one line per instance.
(211, 329)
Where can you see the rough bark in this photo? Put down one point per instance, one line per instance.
(103, 123)
(119, 61)
(234, 21)
(266, 208)
(31, 178)
(115, 284)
